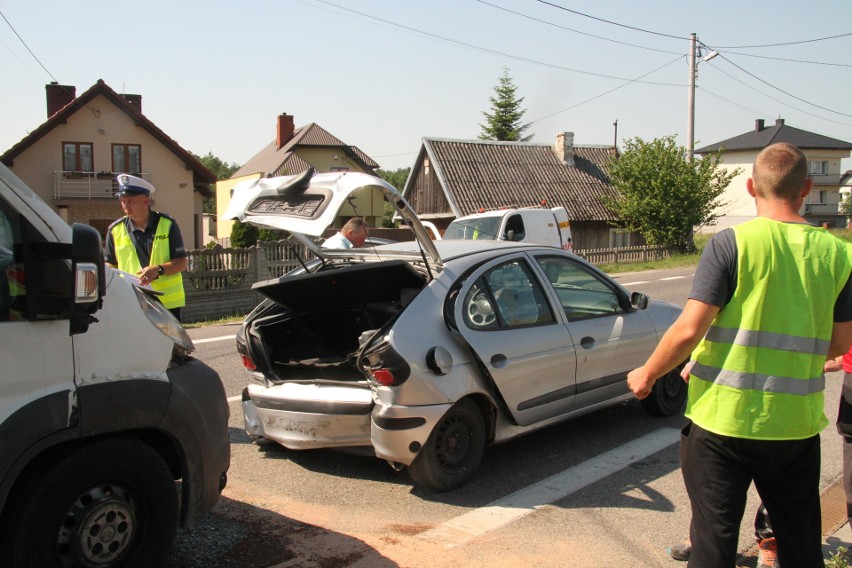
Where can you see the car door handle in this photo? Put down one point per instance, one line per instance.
(499, 360)
(587, 342)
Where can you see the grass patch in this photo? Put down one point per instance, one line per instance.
(220, 321)
(674, 261)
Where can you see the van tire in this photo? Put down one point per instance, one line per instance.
(453, 451)
(118, 490)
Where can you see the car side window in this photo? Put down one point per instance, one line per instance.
(12, 285)
(515, 228)
(581, 292)
(507, 296)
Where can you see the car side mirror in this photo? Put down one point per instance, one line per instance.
(639, 300)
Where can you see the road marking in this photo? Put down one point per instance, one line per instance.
(635, 283)
(235, 398)
(209, 339)
(499, 513)
(673, 278)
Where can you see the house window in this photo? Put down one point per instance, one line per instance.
(77, 157)
(127, 158)
(619, 238)
(818, 168)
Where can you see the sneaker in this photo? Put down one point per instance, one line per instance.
(680, 551)
(767, 554)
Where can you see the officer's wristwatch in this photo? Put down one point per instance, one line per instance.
(161, 270)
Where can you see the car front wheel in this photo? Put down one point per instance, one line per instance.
(668, 396)
(453, 451)
(112, 503)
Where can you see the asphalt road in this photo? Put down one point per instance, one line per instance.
(601, 490)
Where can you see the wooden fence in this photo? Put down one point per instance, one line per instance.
(218, 281)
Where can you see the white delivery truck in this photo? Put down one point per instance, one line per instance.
(102, 408)
(541, 226)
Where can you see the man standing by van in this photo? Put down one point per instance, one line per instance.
(147, 243)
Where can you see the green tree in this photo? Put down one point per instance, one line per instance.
(663, 195)
(396, 178)
(222, 170)
(504, 121)
(243, 235)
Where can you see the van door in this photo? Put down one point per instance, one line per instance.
(38, 357)
(502, 312)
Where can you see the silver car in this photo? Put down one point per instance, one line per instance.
(425, 352)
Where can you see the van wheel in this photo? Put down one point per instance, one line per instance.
(112, 503)
(453, 451)
(668, 396)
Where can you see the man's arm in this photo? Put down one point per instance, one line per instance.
(841, 339)
(675, 346)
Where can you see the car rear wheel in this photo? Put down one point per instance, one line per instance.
(453, 451)
(668, 396)
(110, 504)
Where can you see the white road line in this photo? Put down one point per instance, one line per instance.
(635, 283)
(209, 339)
(673, 278)
(466, 527)
(235, 398)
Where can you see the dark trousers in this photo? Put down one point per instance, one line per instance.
(718, 470)
(176, 312)
(847, 475)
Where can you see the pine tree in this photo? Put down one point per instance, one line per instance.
(504, 123)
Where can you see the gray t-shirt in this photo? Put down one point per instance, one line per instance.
(716, 276)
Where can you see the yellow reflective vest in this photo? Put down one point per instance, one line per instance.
(758, 370)
(125, 252)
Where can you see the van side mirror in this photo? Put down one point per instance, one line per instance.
(87, 263)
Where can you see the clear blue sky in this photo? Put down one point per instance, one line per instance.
(382, 74)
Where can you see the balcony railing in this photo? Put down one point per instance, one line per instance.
(822, 209)
(86, 185)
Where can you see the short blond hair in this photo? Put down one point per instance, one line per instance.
(780, 171)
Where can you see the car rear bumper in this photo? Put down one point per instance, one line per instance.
(311, 415)
(399, 432)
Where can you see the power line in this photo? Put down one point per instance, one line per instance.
(488, 50)
(785, 43)
(783, 91)
(783, 58)
(551, 4)
(522, 15)
(609, 91)
(26, 46)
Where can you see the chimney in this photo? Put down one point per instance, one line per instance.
(285, 129)
(564, 148)
(779, 122)
(758, 125)
(133, 100)
(58, 96)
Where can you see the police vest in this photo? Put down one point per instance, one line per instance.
(758, 370)
(125, 252)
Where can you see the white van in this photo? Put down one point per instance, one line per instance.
(102, 408)
(549, 227)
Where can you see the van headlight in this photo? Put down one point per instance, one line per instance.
(164, 320)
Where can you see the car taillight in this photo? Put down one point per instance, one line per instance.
(248, 363)
(384, 377)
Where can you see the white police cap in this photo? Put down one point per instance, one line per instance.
(132, 185)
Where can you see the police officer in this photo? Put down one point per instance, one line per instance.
(147, 243)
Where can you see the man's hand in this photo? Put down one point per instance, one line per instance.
(640, 382)
(831, 365)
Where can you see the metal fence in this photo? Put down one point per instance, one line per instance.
(624, 255)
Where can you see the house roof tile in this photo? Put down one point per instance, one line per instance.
(485, 174)
(760, 138)
(274, 161)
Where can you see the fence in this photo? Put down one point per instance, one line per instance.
(624, 254)
(218, 281)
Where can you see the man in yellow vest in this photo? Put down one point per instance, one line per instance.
(771, 300)
(147, 244)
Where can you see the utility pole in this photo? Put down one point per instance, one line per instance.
(690, 123)
(615, 136)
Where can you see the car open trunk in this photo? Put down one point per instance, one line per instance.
(327, 315)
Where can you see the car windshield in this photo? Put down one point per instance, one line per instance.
(484, 229)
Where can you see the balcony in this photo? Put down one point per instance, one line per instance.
(87, 185)
(822, 209)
